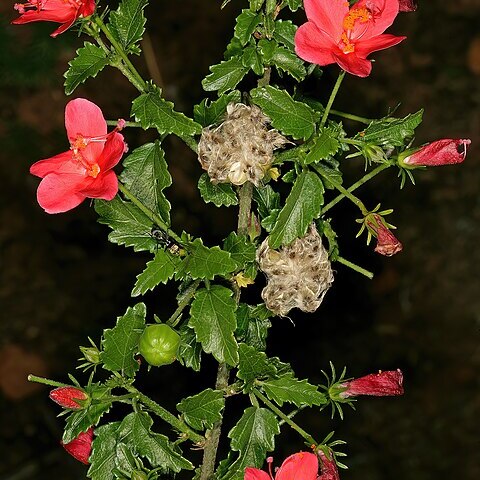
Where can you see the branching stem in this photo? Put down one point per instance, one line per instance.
(187, 298)
(336, 87)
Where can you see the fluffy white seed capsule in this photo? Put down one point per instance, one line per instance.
(298, 274)
(241, 148)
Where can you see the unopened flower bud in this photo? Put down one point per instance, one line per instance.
(387, 243)
(442, 152)
(298, 274)
(80, 448)
(328, 467)
(241, 148)
(67, 397)
(379, 384)
(91, 354)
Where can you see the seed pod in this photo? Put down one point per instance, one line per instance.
(298, 274)
(158, 344)
(241, 148)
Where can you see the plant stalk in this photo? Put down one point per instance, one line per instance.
(245, 206)
(336, 87)
(351, 116)
(187, 297)
(46, 381)
(354, 266)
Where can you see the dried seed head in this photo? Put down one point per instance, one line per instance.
(298, 274)
(241, 148)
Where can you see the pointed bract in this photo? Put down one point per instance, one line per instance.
(337, 33)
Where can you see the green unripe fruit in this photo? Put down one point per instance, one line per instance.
(159, 344)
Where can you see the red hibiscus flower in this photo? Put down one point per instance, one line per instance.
(328, 467)
(379, 384)
(67, 397)
(84, 171)
(337, 33)
(442, 152)
(387, 243)
(80, 448)
(58, 11)
(299, 466)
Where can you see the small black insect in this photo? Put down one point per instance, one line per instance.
(165, 240)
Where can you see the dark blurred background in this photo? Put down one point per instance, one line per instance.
(60, 281)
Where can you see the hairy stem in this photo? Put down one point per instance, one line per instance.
(354, 266)
(332, 98)
(46, 381)
(356, 185)
(245, 206)
(344, 192)
(351, 116)
(167, 416)
(285, 418)
(187, 297)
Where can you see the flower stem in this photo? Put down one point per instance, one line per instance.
(285, 418)
(151, 215)
(332, 98)
(167, 416)
(187, 297)
(46, 381)
(135, 77)
(355, 267)
(351, 116)
(212, 437)
(356, 185)
(343, 191)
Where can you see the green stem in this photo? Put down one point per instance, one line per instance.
(151, 215)
(167, 416)
(351, 116)
(245, 206)
(134, 77)
(113, 123)
(332, 98)
(285, 418)
(46, 381)
(213, 436)
(356, 185)
(187, 297)
(343, 191)
(355, 267)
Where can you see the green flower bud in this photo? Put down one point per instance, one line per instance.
(159, 344)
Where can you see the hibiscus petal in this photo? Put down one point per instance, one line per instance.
(59, 193)
(383, 12)
(300, 466)
(83, 117)
(255, 474)
(88, 8)
(112, 152)
(380, 42)
(311, 45)
(353, 64)
(61, 163)
(104, 186)
(63, 28)
(52, 11)
(327, 15)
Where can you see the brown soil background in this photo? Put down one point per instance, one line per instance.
(60, 281)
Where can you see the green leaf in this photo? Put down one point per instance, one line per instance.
(81, 420)
(89, 61)
(160, 452)
(204, 262)
(214, 321)
(127, 23)
(255, 5)
(325, 145)
(267, 200)
(159, 270)
(267, 49)
(131, 227)
(253, 364)
(121, 342)
(151, 110)
(391, 131)
(189, 350)
(253, 436)
(225, 76)
(202, 410)
(209, 113)
(287, 61)
(329, 170)
(325, 229)
(146, 176)
(218, 194)
(246, 24)
(104, 455)
(289, 389)
(241, 249)
(301, 207)
(285, 33)
(251, 58)
(290, 117)
(253, 325)
(294, 5)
